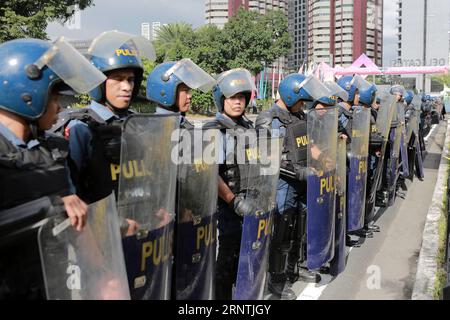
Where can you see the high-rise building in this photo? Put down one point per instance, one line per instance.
(423, 36)
(298, 29)
(155, 28)
(218, 12)
(339, 31)
(145, 30)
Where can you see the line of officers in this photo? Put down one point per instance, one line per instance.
(95, 203)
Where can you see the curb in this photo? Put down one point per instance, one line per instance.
(427, 266)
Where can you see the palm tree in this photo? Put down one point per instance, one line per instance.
(172, 40)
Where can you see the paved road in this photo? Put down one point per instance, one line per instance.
(384, 267)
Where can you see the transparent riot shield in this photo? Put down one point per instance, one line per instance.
(403, 142)
(86, 265)
(262, 157)
(357, 173)
(321, 195)
(384, 121)
(147, 189)
(196, 215)
(395, 141)
(337, 265)
(385, 113)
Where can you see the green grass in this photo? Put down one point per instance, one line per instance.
(441, 275)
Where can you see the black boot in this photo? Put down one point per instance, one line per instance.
(351, 243)
(365, 232)
(279, 287)
(308, 276)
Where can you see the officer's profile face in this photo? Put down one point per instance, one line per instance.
(356, 101)
(234, 106)
(184, 95)
(321, 109)
(49, 118)
(297, 106)
(119, 88)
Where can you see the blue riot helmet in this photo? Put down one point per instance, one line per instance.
(367, 91)
(230, 83)
(31, 68)
(163, 81)
(336, 91)
(346, 83)
(318, 93)
(397, 90)
(409, 96)
(290, 92)
(367, 96)
(114, 50)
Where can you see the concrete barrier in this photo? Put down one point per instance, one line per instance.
(427, 265)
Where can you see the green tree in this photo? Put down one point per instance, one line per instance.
(171, 44)
(148, 67)
(206, 49)
(443, 79)
(251, 39)
(29, 18)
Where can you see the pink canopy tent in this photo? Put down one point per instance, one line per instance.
(364, 66)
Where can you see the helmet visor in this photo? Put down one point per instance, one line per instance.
(71, 67)
(361, 83)
(234, 81)
(112, 40)
(417, 102)
(336, 90)
(315, 88)
(398, 90)
(191, 75)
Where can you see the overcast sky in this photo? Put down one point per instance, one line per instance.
(127, 16)
(390, 40)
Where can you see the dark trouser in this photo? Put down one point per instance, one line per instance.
(371, 189)
(289, 233)
(230, 233)
(20, 270)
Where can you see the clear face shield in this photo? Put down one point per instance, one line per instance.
(103, 45)
(71, 67)
(336, 90)
(191, 75)
(361, 83)
(315, 88)
(417, 102)
(235, 81)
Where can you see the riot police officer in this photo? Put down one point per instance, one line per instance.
(33, 163)
(231, 95)
(352, 86)
(170, 86)
(287, 117)
(94, 133)
(345, 106)
(367, 98)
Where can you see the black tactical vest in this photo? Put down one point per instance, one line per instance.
(29, 174)
(295, 146)
(345, 128)
(100, 176)
(235, 175)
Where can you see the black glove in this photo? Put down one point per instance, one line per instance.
(241, 206)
